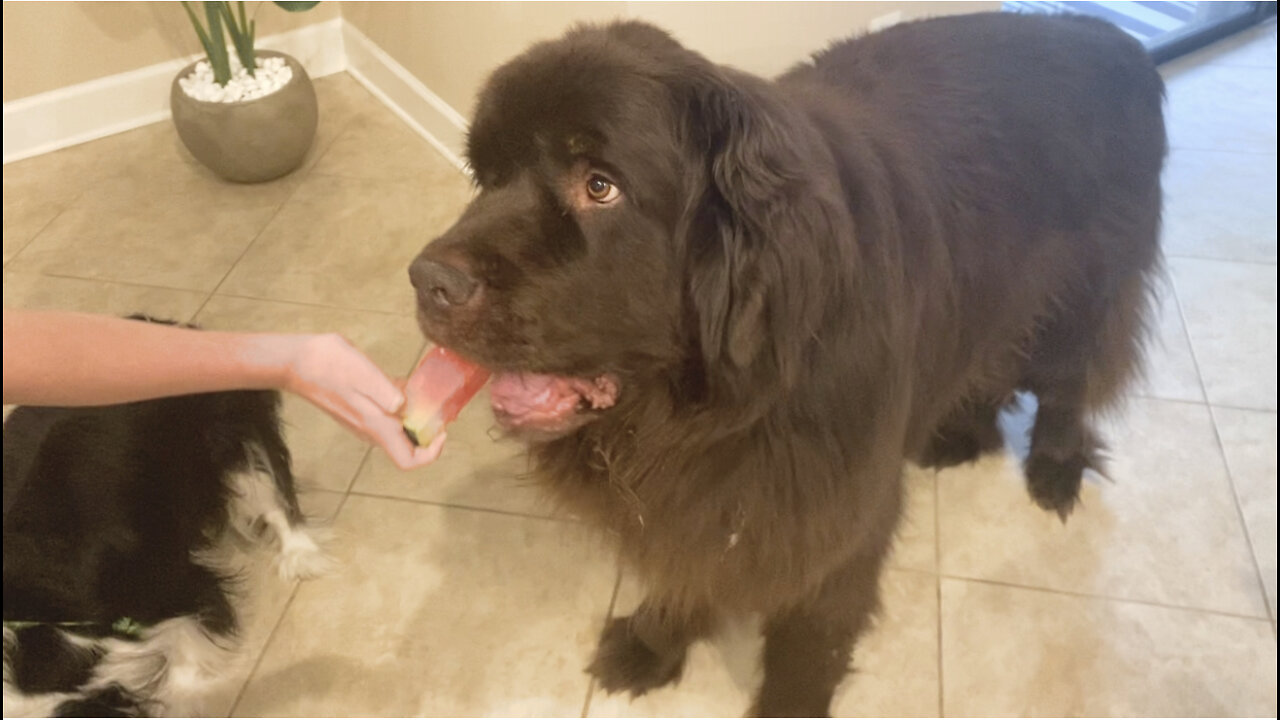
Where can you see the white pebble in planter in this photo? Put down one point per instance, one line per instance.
(255, 128)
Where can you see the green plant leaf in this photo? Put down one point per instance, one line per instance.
(195, 22)
(241, 37)
(241, 30)
(230, 19)
(218, 58)
(295, 6)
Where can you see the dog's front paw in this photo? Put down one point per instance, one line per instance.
(624, 662)
(301, 557)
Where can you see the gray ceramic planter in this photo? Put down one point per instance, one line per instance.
(252, 140)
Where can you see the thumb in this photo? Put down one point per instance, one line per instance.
(388, 397)
(395, 399)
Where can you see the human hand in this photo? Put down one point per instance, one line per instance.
(333, 375)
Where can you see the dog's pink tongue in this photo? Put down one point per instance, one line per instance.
(531, 399)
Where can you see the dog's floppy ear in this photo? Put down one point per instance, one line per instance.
(757, 232)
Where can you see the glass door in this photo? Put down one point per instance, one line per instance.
(1168, 29)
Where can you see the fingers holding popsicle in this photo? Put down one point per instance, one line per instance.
(406, 418)
(436, 392)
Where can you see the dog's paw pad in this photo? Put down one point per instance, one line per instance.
(624, 663)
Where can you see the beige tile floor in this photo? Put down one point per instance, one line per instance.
(461, 594)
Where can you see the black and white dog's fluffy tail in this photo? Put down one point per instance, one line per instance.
(114, 601)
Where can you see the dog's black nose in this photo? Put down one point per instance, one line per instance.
(441, 284)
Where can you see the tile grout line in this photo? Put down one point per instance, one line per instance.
(309, 171)
(1222, 453)
(586, 702)
(1244, 524)
(613, 601)
(1106, 598)
(258, 235)
(1080, 594)
(1230, 261)
(1233, 151)
(937, 587)
(364, 460)
(322, 306)
(257, 663)
(191, 319)
(149, 286)
(1205, 258)
(131, 283)
(115, 281)
(910, 570)
(342, 502)
(454, 506)
(1203, 403)
(336, 137)
(36, 235)
(245, 251)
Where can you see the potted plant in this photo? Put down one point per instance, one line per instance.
(248, 115)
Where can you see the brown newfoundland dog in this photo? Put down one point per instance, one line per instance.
(724, 311)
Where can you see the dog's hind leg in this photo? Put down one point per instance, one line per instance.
(265, 498)
(300, 553)
(646, 650)
(1063, 446)
(1062, 443)
(275, 453)
(171, 669)
(1080, 366)
(968, 432)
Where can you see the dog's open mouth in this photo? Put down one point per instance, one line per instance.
(548, 405)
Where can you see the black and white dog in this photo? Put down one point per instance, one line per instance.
(116, 601)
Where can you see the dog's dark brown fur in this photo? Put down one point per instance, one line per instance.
(805, 283)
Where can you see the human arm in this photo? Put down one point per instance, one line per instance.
(68, 359)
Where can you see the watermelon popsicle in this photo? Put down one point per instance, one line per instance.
(438, 389)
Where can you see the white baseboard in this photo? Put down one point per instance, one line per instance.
(424, 111)
(72, 115)
(79, 113)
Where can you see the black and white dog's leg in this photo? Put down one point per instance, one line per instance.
(265, 500)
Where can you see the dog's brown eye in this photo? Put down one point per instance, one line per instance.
(601, 190)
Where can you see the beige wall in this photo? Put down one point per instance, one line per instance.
(769, 37)
(452, 46)
(48, 45)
